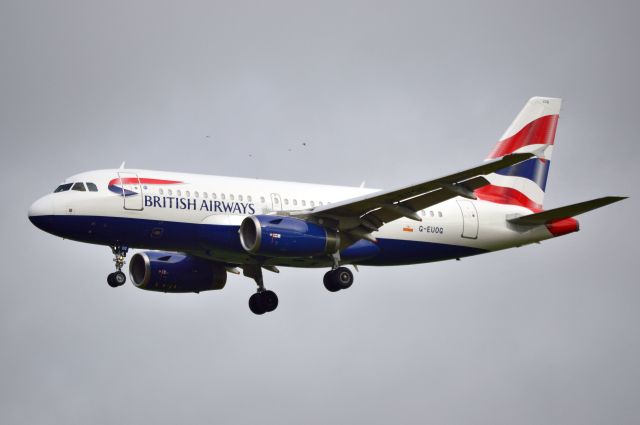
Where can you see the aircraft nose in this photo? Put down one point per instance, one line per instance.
(40, 210)
(42, 206)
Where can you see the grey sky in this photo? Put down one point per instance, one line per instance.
(387, 92)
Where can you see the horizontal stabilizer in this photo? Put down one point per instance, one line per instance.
(546, 217)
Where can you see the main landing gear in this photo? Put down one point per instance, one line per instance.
(118, 278)
(337, 279)
(264, 300)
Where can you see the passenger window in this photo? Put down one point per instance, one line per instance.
(196, 194)
(439, 213)
(169, 192)
(321, 203)
(231, 197)
(63, 187)
(178, 193)
(187, 194)
(431, 213)
(249, 198)
(304, 203)
(79, 187)
(295, 202)
(262, 199)
(422, 213)
(286, 201)
(214, 196)
(160, 191)
(222, 196)
(240, 198)
(92, 187)
(313, 204)
(205, 195)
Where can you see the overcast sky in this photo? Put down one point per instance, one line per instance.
(387, 92)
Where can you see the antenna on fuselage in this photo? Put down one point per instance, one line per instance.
(362, 184)
(122, 165)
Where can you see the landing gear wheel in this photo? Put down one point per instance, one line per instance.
(269, 300)
(116, 279)
(343, 277)
(255, 305)
(340, 278)
(263, 302)
(329, 282)
(120, 278)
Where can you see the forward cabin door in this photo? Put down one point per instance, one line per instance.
(469, 219)
(276, 202)
(131, 191)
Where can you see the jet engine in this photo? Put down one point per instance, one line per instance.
(278, 236)
(172, 272)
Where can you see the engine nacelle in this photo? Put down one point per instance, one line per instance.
(278, 236)
(172, 272)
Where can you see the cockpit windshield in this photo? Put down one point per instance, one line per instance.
(63, 187)
(79, 186)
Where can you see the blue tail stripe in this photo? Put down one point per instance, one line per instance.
(534, 169)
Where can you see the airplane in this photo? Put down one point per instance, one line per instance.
(195, 229)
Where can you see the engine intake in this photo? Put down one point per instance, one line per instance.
(278, 236)
(172, 272)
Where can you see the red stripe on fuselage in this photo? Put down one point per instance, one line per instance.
(540, 131)
(142, 180)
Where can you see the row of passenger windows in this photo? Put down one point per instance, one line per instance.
(232, 197)
(431, 213)
(205, 195)
(79, 186)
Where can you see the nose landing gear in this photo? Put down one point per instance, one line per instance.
(118, 278)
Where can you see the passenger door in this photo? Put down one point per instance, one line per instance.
(469, 219)
(131, 191)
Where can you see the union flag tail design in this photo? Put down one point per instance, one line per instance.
(533, 130)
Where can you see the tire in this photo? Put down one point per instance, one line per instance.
(269, 301)
(119, 278)
(255, 304)
(343, 277)
(330, 283)
(112, 281)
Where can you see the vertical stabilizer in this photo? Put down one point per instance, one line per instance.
(533, 130)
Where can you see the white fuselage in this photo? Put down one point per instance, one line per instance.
(200, 214)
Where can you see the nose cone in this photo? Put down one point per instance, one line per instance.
(40, 212)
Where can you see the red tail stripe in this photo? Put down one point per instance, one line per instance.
(539, 131)
(508, 196)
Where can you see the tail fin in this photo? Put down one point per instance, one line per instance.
(533, 130)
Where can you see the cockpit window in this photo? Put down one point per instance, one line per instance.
(92, 187)
(63, 187)
(79, 187)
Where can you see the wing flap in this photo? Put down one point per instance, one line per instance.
(560, 213)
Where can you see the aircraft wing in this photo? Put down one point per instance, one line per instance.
(360, 216)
